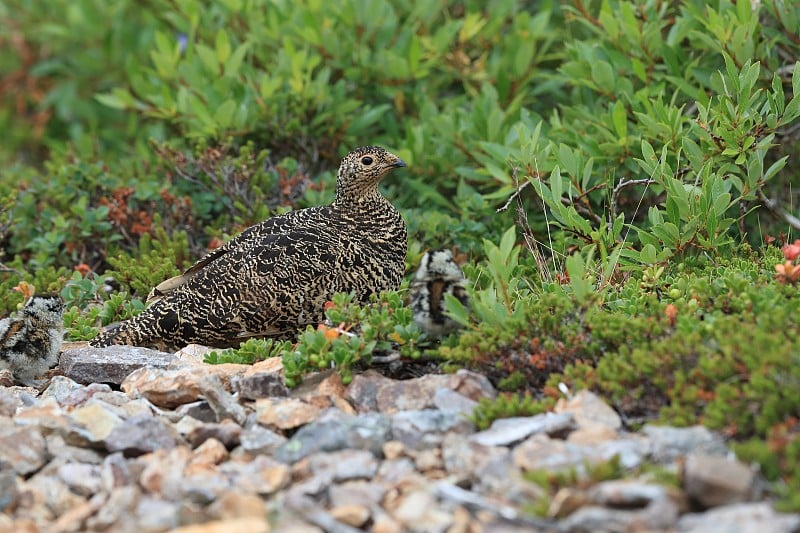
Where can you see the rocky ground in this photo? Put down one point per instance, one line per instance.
(128, 439)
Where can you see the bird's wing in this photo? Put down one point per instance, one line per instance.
(249, 237)
(8, 329)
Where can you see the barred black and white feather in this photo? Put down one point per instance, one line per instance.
(438, 274)
(30, 341)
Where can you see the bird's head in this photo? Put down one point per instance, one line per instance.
(361, 171)
(439, 265)
(46, 308)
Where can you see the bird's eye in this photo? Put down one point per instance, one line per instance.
(366, 160)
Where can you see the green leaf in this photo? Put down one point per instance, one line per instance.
(620, 118)
(236, 59)
(222, 46)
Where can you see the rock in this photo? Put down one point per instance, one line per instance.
(95, 421)
(334, 431)
(60, 387)
(199, 410)
(357, 492)
(452, 402)
(83, 479)
(371, 391)
(232, 525)
(589, 410)
(632, 494)
(344, 465)
(259, 440)
(353, 514)
(263, 475)
(669, 443)
(260, 385)
(419, 507)
(285, 413)
(227, 432)
(8, 489)
(712, 480)
(139, 435)
(154, 514)
(116, 472)
(162, 471)
(233, 504)
(22, 449)
(120, 504)
(111, 364)
(324, 390)
(165, 388)
(8, 402)
(211, 452)
(74, 519)
(427, 428)
(221, 401)
(740, 518)
(507, 431)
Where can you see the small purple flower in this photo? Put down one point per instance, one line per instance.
(183, 40)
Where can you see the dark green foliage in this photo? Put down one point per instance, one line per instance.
(249, 352)
(505, 406)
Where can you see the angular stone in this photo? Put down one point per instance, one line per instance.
(452, 402)
(154, 514)
(227, 432)
(260, 385)
(712, 480)
(263, 475)
(139, 435)
(589, 410)
(670, 443)
(83, 479)
(8, 403)
(116, 472)
(426, 429)
(259, 440)
(22, 449)
(740, 518)
(344, 465)
(96, 421)
(111, 364)
(59, 388)
(165, 388)
(232, 503)
(8, 489)
(221, 401)
(357, 492)
(285, 413)
(334, 431)
(121, 503)
(507, 431)
(353, 515)
(371, 391)
(211, 452)
(632, 494)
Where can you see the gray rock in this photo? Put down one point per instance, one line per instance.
(670, 443)
(336, 431)
(8, 489)
(121, 503)
(140, 434)
(712, 480)
(22, 449)
(358, 492)
(58, 447)
(92, 422)
(452, 402)
(154, 514)
(260, 385)
(8, 403)
(60, 387)
(259, 440)
(227, 432)
(221, 401)
(344, 465)
(427, 428)
(263, 475)
(661, 515)
(371, 391)
(111, 364)
(740, 518)
(589, 409)
(507, 431)
(631, 494)
(116, 472)
(83, 479)
(199, 410)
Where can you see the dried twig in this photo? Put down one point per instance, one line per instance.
(778, 211)
(623, 185)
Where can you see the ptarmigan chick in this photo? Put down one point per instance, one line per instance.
(275, 277)
(438, 274)
(31, 341)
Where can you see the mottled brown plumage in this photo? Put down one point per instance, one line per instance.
(276, 276)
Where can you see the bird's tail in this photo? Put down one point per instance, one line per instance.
(125, 332)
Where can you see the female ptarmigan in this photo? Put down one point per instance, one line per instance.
(276, 276)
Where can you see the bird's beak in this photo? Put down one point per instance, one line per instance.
(397, 164)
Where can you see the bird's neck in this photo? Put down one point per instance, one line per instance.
(350, 197)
